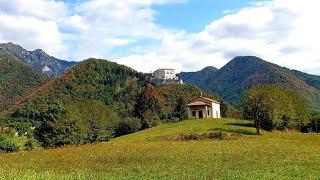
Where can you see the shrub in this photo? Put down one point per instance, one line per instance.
(127, 126)
(314, 125)
(150, 119)
(22, 126)
(31, 144)
(7, 146)
(2, 137)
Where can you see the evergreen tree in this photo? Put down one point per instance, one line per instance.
(180, 110)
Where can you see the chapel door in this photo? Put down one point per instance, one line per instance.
(200, 115)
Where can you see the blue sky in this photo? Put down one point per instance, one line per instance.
(187, 35)
(194, 15)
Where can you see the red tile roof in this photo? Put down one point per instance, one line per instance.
(202, 101)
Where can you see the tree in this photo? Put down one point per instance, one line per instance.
(56, 128)
(97, 122)
(77, 122)
(148, 100)
(275, 107)
(229, 111)
(180, 110)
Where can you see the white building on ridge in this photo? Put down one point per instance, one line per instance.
(165, 76)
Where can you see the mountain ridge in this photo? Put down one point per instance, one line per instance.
(37, 59)
(244, 72)
(199, 77)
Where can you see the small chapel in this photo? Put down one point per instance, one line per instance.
(203, 108)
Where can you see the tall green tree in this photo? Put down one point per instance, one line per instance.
(275, 107)
(180, 110)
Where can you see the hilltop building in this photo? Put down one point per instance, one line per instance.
(165, 76)
(203, 108)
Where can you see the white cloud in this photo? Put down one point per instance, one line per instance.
(31, 32)
(284, 32)
(43, 9)
(33, 24)
(281, 31)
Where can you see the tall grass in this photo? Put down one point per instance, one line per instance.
(152, 154)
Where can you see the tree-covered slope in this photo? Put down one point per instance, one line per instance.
(16, 80)
(242, 73)
(116, 86)
(96, 101)
(200, 77)
(37, 59)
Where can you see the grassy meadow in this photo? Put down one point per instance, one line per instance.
(157, 154)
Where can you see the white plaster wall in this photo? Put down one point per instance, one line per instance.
(216, 110)
(165, 74)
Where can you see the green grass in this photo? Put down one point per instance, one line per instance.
(152, 154)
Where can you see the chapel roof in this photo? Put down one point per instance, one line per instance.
(202, 101)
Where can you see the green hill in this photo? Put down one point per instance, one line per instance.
(16, 80)
(114, 85)
(92, 100)
(200, 77)
(94, 79)
(242, 73)
(157, 153)
(37, 59)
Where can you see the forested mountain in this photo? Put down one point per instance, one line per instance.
(37, 59)
(242, 73)
(16, 80)
(93, 79)
(90, 101)
(116, 86)
(200, 77)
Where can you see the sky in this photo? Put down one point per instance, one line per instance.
(187, 35)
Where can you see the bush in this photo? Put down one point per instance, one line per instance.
(31, 144)
(2, 137)
(7, 146)
(22, 126)
(127, 126)
(314, 125)
(150, 119)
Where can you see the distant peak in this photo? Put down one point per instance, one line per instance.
(10, 44)
(209, 68)
(38, 51)
(246, 59)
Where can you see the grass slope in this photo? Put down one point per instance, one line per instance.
(150, 154)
